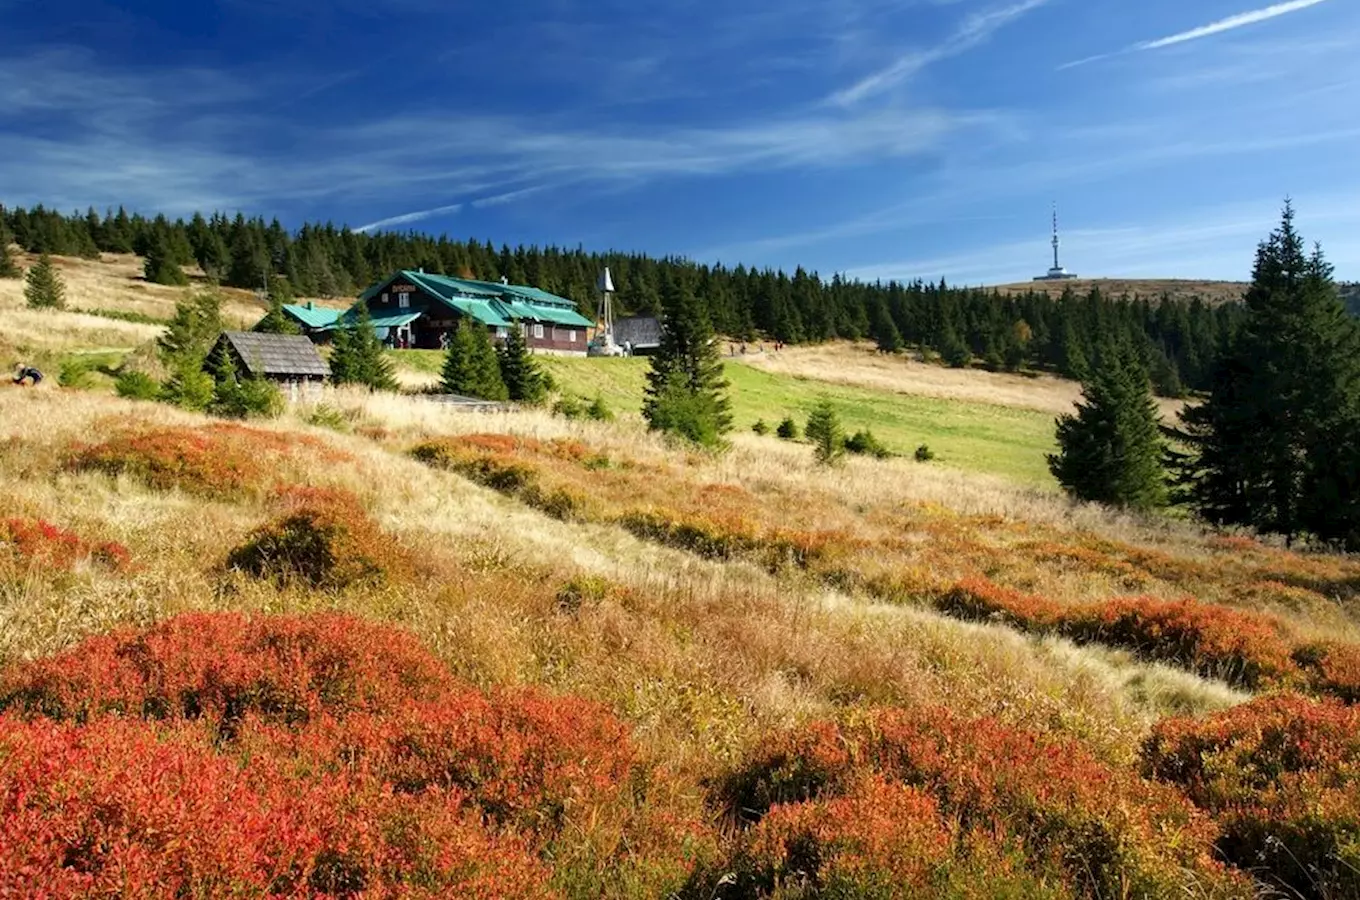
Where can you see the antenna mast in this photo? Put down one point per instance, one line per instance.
(1056, 267)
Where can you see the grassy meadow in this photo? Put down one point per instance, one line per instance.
(381, 648)
(997, 438)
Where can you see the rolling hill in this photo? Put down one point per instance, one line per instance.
(379, 647)
(1213, 292)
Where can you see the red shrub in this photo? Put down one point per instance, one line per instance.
(335, 756)
(43, 543)
(222, 666)
(1215, 641)
(323, 538)
(882, 840)
(524, 758)
(116, 808)
(218, 460)
(979, 599)
(1100, 830)
(1282, 775)
(1332, 669)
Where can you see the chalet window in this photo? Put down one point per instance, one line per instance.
(572, 332)
(538, 331)
(500, 332)
(404, 300)
(384, 296)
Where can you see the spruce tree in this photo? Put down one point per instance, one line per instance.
(193, 330)
(825, 432)
(471, 368)
(43, 288)
(1111, 451)
(160, 266)
(8, 267)
(523, 380)
(358, 357)
(275, 321)
(885, 330)
(686, 391)
(1268, 448)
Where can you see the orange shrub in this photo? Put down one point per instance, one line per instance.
(1332, 669)
(117, 808)
(1282, 775)
(306, 756)
(42, 543)
(323, 538)
(219, 460)
(881, 840)
(1216, 641)
(1101, 831)
(979, 599)
(219, 667)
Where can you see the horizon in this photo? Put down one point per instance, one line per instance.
(876, 140)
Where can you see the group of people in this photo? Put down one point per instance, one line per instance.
(734, 349)
(24, 373)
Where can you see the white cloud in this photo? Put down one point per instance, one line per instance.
(973, 31)
(1229, 24)
(407, 218)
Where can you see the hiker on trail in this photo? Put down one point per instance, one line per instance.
(23, 372)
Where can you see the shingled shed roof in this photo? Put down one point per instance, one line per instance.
(640, 331)
(277, 355)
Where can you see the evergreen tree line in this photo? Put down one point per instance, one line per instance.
(1178, 341)
(1273, 446)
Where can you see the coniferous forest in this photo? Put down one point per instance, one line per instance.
(1178, 341)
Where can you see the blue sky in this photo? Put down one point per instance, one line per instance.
(881, 139)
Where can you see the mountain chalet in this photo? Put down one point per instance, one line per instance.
(420, 310)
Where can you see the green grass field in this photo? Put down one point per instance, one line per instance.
(975, 436)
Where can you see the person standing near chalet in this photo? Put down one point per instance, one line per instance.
(23, 372)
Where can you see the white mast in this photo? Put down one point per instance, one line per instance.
(604, 345)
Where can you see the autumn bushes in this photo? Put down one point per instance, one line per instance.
(35, 542)
(1282, 777)
(922, 802)
(320, 538)
(220, 461)
(221, 755)
(1248, 649)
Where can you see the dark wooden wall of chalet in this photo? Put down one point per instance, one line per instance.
(563, 342)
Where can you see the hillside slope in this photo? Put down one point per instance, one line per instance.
(1212, 292)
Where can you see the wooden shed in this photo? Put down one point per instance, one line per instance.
(290, 361)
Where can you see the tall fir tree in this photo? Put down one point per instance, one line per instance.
(160, 266)
(471, 367)
(193, 330)
(1268, 448)
(8, 267)
(523, 380)
(1112, 450)
(885, 331)
(357, 356)
(686, 392)
(43, 287)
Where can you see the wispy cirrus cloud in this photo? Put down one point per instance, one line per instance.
(1230, 23)
(974, 30)
(177, 140)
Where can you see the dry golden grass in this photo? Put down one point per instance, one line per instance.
(861, 365)
(115, 283)
(701, 656)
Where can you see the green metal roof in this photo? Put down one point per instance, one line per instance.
(487, 302)
(484, 311)
(559, 316)
(313, 316)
